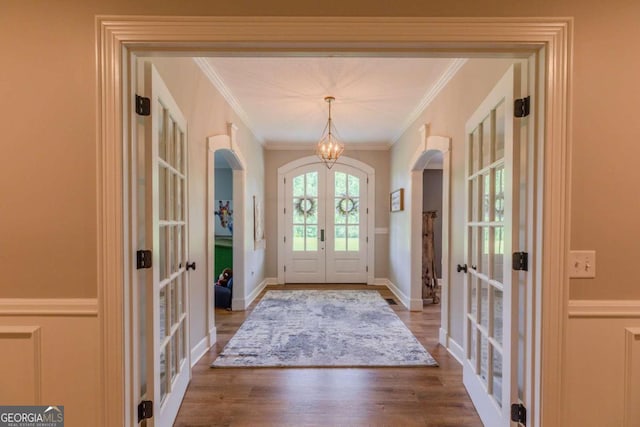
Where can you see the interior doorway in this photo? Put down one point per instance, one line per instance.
(119, 39)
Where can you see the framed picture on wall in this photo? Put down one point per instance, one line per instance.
(397, 200)
(258, 224)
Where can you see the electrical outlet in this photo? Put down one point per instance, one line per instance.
(582, 264)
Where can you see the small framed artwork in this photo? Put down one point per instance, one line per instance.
(258, 224)
(397, 200)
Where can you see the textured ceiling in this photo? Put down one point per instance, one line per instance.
(282, 99)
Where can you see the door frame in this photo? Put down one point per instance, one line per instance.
(119, 38)
(235, 158)
(371, 194)
(429, 146)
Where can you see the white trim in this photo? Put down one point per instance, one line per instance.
(371, 203)
(211, 74)
(631, 376)
(288, 146)
(256, 292)
(604, 309)
(199, 350)
(428, 147)
(118, 39)
(408, 303)
(381, 230)
(442, 336)
(431, 94)
(49, 307)
(212, 336)
(456, 350)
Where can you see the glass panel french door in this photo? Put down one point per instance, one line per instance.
(492, 178)
(326, 225)
(168, 356)
(346, 256)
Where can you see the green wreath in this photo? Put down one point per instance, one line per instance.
(347, 205)
(305, 206)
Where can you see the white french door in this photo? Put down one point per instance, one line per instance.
(325, 233)
(492, 225)
(168, 367)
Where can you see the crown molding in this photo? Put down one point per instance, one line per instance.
(211, 74)
(430, 95)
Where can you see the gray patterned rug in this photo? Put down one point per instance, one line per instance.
(323, 328)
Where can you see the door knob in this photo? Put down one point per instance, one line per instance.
(191, 265)
(462, 268)
(322, 235)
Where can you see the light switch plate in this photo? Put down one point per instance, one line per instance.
(582, 264)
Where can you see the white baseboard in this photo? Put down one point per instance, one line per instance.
(456, 350)
(380, 281)
(213, 336)
(48, 306)
(442, 337)
(404, 300)
(237, 304)
(199, 350)
(254, 294)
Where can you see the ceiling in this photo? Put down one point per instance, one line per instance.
(282, 99)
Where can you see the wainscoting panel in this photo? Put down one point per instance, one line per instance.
(602, 375)
(20, 368)
(50, 353)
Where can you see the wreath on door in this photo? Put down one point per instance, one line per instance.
(305, 206)
(347, 205)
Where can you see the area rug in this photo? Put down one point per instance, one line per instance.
(319, 328)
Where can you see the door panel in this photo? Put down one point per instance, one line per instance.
(491, 290)
(168, 364)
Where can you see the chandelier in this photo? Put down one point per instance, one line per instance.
(329, 148)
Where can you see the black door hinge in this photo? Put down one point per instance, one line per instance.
(143, 259)
(143, 106)
(519, 413)
(520, 261)
(521, 107)
(145, 410)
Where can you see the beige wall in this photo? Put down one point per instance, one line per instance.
(48, 92)
(378, 160)
(207, 114)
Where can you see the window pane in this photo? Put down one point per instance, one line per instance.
(179, 205)
(474, 215)
(474, 297)
(298, 186)
(340, 238)
(172, 353)
(341, 183)
(498, 254)
(354, 211)
(484, 358)
(354, 186)
(163, 373)
(497, 314)
(475, 150)
(484, 304)
(312, 238)
(499, 148)
(162, 192)
(312, 212)
(486, 197)
(486, 141)
(171, 137)
(484, 242)
(340, 217)
(499, 197)
(162, 253)
(179, 150)
(162, 143)
(298, 214)
(298, 237)
(473, 349)
(353, 233)
(497, 376)
(312, 184)
(162, 310)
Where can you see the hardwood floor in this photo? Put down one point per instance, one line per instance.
(429, 396)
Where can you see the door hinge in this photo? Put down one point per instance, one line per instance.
(521, 107)
(143, 106)
(285, 239)
(367, 211)
(145, 410)
(285, 211)
(367, 269)
(144, 259)
(367, 239)
(519, 413)
(285, 268)
(520, 261)
(367, 180)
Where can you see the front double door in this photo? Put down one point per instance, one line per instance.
(325, 225)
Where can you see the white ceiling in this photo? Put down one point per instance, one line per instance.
(282, 99)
